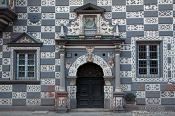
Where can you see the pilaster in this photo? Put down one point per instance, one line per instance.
(61, 101)
(118, 96)
(62, 68)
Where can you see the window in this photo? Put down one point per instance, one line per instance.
(25, 66)
(3, 2)
(90, 26)
(7, 4)
(148, 60)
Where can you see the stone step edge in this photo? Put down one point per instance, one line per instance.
(90, 110)
(40, 112)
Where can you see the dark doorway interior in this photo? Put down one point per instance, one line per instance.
(90, 86)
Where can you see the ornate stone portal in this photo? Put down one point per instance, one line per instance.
(112, 100)
(104, 37)
(108, 88)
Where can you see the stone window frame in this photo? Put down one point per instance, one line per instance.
(165, 53)
(14, 62)
(25, 65)
(147, 43)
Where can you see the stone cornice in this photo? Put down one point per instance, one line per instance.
(95, 42)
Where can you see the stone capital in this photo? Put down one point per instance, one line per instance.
(62, 49)
(117, 48)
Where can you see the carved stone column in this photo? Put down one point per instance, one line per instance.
(98, 24)
(98, 34)
(62, 72)
(118, 94)
(81, 31)
(61, 100)
(117, 72)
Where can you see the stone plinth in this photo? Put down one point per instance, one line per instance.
(61, 102)
(118, 101)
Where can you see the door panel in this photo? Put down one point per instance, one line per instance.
(90, 92)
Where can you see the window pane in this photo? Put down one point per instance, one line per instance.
(2, 2)
(31, 56)
(21, 74)
(142, 71)
(142, 63)
(142, 55)
(153, 48)
(153, 63)
(30, 74)
(153, 71)
(142, 47)
(21, 68)
(153, 55)
(31, 68)
(21, 56)
(21, 62)
(30, 62)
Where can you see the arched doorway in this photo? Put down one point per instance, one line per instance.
(90, 86)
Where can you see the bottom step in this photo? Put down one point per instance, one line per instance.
(40, 113)
(90, 110)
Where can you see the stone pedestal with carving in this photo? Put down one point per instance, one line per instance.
(108, 97)
(72, 90)
(118, 100)
(61, 102)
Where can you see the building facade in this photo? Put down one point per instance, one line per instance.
(86, 53)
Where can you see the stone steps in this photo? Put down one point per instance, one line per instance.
(40, 113)
(90, 110)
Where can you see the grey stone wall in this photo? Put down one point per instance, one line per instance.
(138, 20)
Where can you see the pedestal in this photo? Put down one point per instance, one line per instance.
(118, 100)
(61, 101)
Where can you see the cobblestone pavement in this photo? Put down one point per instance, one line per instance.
(27, 113)
(45, 113)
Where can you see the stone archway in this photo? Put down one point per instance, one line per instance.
(96, 59)
(72, 77)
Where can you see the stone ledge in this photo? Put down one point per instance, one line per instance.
(132, 107)
(27, 108)
(19, 82)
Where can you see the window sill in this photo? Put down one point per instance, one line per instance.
(148, 77)
(19, 82)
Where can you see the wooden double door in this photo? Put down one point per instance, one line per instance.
(90, 92)
(90, 86)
